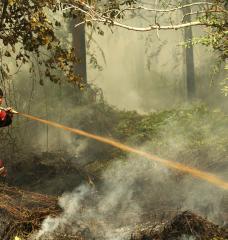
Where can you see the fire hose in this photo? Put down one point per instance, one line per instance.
(196, 173)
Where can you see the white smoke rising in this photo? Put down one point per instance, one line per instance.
(90, 221)
(131, 191)
(70, 203)
(118, 205)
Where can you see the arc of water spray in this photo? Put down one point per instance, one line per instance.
(170, 164)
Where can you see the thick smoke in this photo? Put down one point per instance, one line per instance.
(92, 215)
(132, 191)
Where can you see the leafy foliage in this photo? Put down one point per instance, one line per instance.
(216, 20)
(194, 124)
(196, 134)
(26, 30)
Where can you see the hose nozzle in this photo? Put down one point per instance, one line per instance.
(11, 110)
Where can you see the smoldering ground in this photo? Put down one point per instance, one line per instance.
(132, 192)
(135, 190)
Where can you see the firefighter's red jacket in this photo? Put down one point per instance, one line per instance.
(5, 118)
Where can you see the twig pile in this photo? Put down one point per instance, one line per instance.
(185, 224)
(190, 224)
(22, 212)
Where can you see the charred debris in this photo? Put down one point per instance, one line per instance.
(22, 213)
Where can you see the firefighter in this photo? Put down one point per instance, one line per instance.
(6, 116)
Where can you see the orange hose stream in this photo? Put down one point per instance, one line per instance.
(170, 164)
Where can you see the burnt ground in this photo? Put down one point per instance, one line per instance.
(22, 212)
(185, 224)
(47, 172)
(50, 174)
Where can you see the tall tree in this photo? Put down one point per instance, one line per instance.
(79, 46)
(189, 54)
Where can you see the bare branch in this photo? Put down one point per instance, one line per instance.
(163, 10)
(93, 15)
(145, 29)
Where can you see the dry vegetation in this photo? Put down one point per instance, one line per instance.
(22, 213)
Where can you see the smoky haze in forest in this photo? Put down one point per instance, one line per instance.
(146, 71)
(141, 73)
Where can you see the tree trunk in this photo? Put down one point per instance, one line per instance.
(189, 56)
(78, 42)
